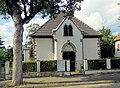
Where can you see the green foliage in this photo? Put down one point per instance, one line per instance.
(44, 7)
(3, 8)
(3, 51)
(1, 43)
(2, 54)
(115, 63)
(107, 43)
(31, 28)
(47, 66)
(30, 66)
(96, 64)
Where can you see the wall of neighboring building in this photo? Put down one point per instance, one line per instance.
(75, 40)
(117, 49)
(91, 48)
(26, 54)
(44, 48)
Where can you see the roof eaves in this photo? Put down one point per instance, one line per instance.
(42, 36)
(92, 36)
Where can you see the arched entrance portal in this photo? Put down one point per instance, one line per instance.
(68, 51)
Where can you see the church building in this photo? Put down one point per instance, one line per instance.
(66, 39)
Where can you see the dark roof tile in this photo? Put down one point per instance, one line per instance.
(47, 28)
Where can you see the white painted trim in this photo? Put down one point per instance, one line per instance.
(55, 49)
(59, 25)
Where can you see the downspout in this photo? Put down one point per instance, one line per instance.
(54, 45)
(82, 53)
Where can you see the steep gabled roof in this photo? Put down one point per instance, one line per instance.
(85, 29)
(46, 30)
(117, 38)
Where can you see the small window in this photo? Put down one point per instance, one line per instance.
(65, 30)
(68, 30)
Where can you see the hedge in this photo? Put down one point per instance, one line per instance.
(115, 64)
(96, 64)
(29, 67)
(46, 66)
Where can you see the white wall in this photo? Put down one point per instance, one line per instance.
(117, 53)
(26, 54)
(91, 48)
(75, 39)
(44, 48)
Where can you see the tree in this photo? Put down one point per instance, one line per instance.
(31, 28)
(5, 54)
(107, 43)
(22, 11)
(2, 51)
(1, 43)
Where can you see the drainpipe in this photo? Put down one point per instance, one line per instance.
(55, 49)
(54, 45)
(82, 53)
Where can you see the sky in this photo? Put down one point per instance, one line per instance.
(95, 13)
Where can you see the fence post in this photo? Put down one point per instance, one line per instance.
(38, 66)
(60, 65)
(108, 63)
(85, 65)
(7, 69)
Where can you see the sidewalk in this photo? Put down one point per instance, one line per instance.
(78, 81)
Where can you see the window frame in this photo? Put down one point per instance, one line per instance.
(68, 30)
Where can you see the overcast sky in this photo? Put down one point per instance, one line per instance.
(95, 13)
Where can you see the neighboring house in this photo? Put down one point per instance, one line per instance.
(26, 53)
(117, 46)
(66, 39)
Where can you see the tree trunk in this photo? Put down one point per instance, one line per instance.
(17, 50)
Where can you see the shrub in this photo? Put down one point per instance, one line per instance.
(30, 66)
(96, 64)
(46, 66)
(115, 64)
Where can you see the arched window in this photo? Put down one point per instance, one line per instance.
(68, 30)
(65, 30)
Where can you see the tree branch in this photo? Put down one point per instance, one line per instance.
(35, 7)
(9, 7)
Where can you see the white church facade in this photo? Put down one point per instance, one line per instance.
(66, 39)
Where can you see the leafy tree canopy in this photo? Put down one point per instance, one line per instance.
(29, 8)
(1, 43)
(107, 43)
